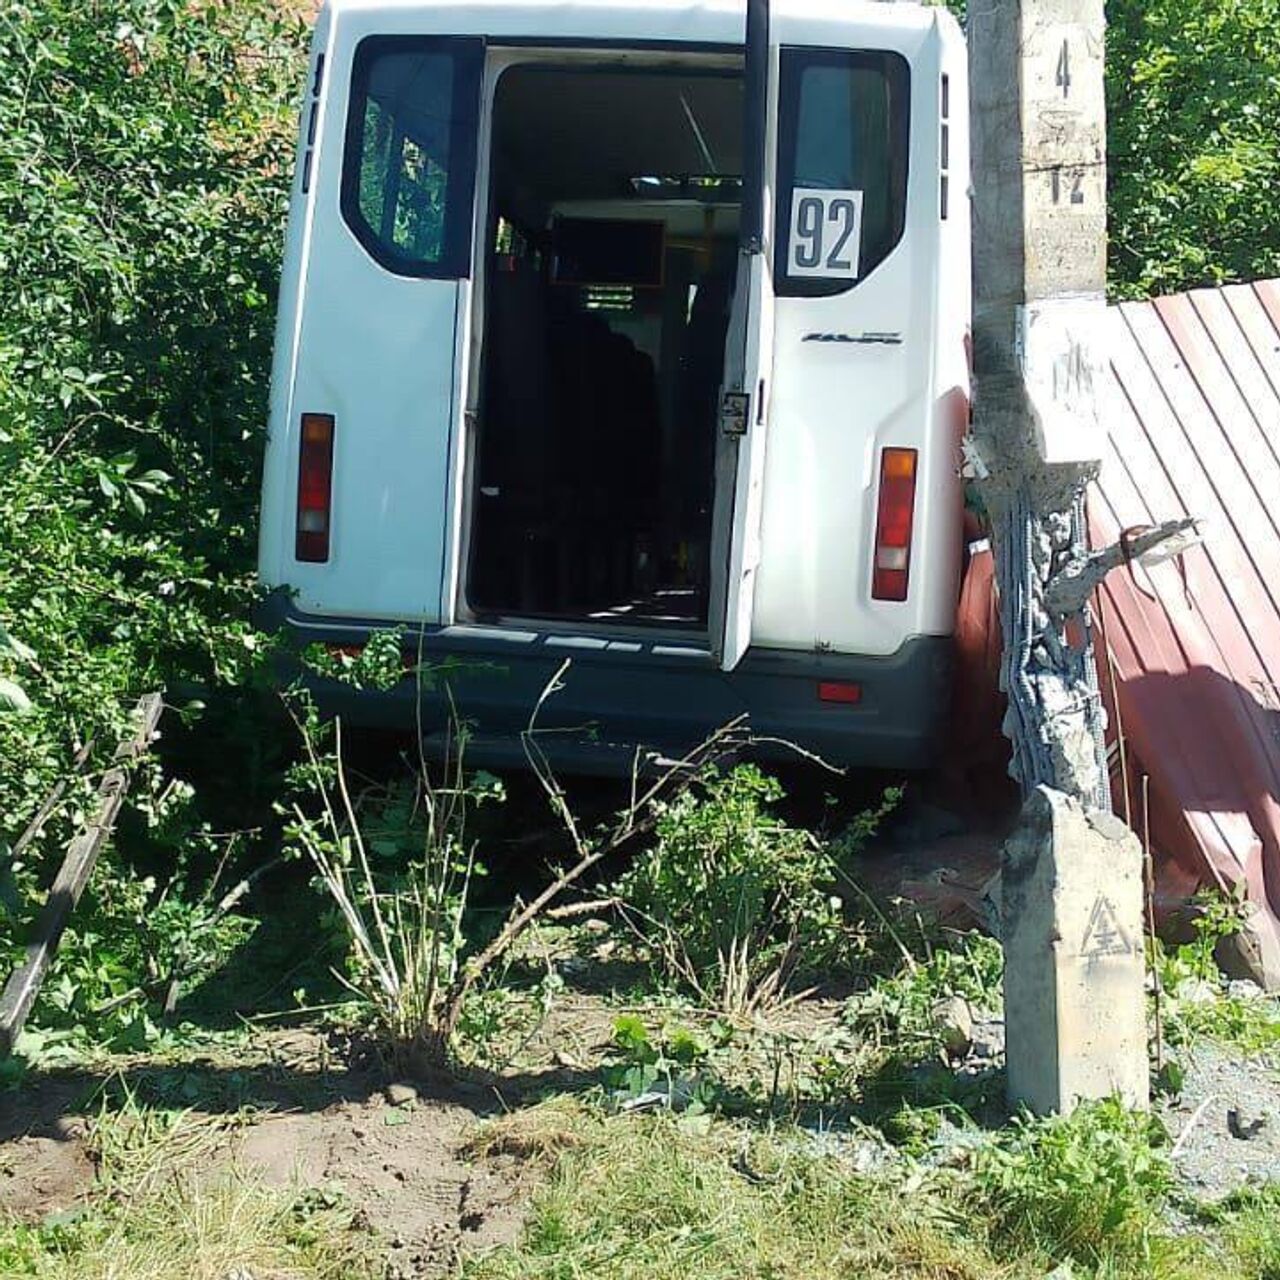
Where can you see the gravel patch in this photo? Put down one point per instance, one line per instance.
(1225, 1124)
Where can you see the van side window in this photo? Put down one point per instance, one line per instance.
(843, 133)
(408, 175)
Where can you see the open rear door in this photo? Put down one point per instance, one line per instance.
(748, 367)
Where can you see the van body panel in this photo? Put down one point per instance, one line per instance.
(279, 477)
(643, 23)
(378, 351)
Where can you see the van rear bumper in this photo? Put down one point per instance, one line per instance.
(618, 695)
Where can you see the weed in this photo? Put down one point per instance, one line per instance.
(732, 898)
(896, 1010)
(1248, 1024)
(910, 1100)
(1087, 1187)
(410, 958)
(398, 865)
(499, 1020)
(1195, 1003)
(662, 1067)
(1215, 917)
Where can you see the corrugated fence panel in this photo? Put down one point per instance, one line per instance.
(1195, 430)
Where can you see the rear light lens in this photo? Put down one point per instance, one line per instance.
(894, 518)
(845, 691)
(315, 488)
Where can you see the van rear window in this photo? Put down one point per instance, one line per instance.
(408, 176)
(844, 125)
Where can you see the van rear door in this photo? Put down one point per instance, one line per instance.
(748, 368)
(387, 256)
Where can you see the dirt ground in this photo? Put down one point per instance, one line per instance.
(1225, 1124)
(296, 1110)
(396, 1153)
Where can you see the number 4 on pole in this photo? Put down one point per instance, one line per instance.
(1063, 78)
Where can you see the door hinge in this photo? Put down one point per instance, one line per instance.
(735, 410)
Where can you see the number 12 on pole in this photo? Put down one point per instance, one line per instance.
(826, 233)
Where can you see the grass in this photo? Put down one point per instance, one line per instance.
(915, 1173)
(651, 1196)
(1249, 1224)
(644, 1196)
(163, 1206)
(1089, 1188)
(1250, 1025)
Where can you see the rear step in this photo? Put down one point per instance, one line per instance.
(576, 755)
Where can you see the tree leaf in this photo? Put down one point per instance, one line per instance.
(13, 701)
(15, 648)
(10, 898)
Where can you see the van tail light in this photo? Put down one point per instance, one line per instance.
(315, 487)
(847, 692)
(894, 518)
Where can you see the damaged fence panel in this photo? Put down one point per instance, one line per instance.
(20, 991)
(1196, 643)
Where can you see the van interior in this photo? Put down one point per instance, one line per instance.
(613, 234)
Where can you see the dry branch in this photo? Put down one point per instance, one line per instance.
(1067, 592)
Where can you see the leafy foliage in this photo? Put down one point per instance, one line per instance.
(661, 1067)
(898, 1008)
(144, 153)
(1193, 100)
(1195, 1002)
(732, 896)
(1086, 1187)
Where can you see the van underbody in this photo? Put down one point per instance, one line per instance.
(651, 697)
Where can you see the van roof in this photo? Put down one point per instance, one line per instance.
(677, 21)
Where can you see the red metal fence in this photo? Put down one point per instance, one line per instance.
(1195, 642)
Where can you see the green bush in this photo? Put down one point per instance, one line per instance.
(732, 897)
(1193, 155)
(145, 149)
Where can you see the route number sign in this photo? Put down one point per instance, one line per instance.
(826, 233)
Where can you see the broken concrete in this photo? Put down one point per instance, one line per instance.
(1075, 1009)
(1038, 125)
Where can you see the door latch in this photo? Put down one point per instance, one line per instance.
(735, 409)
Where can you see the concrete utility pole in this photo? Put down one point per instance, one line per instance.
(1071, 875)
